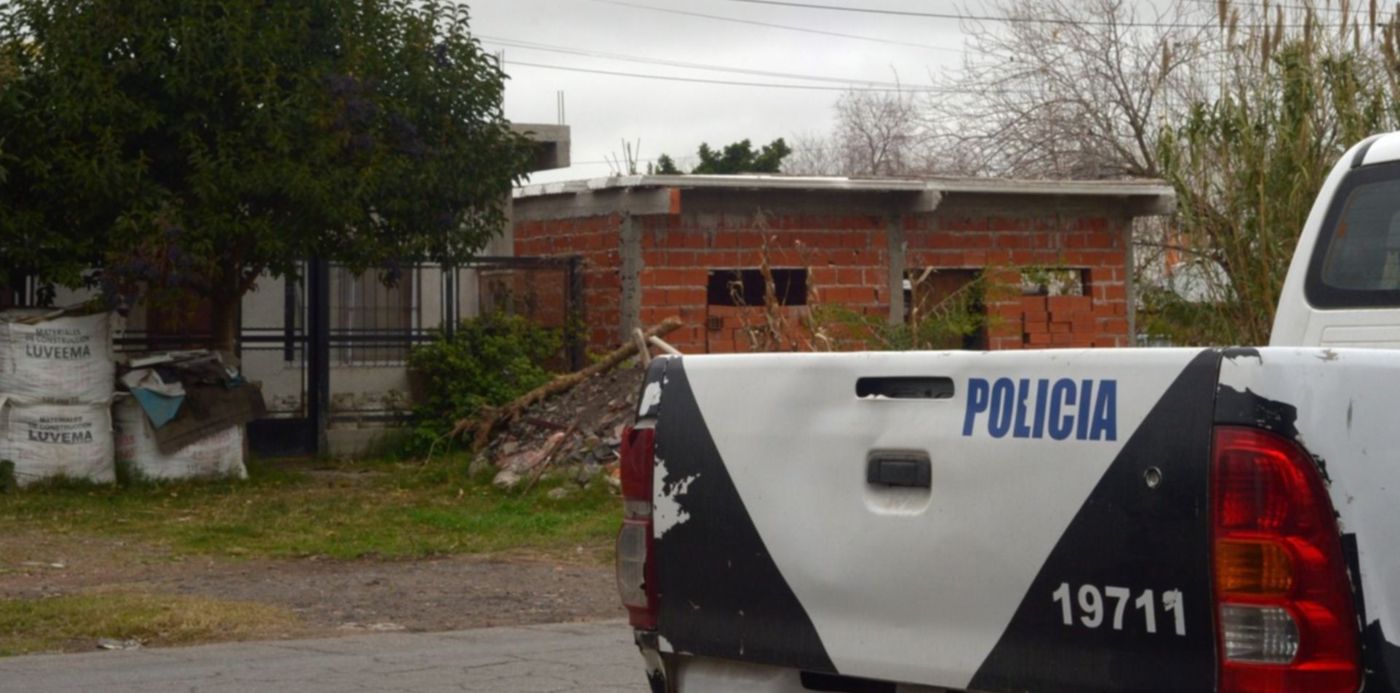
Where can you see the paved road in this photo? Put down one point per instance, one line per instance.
(589, 657)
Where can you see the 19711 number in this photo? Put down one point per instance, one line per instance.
(1094, 610)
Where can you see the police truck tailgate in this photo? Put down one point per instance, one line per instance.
(1000, 521)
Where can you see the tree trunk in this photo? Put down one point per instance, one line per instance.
(223, 323)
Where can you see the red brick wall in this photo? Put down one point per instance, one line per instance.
(847, 257)
(541, 294)
(1093, 244)
(596, 240)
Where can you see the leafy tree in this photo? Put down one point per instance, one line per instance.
(739, 157)
(187, 148)
(1247, 166)
(666, 166)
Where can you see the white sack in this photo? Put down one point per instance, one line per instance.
(57, 440)
(215, 456)
(65, 360)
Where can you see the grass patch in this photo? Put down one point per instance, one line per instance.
(341, 510)
(77, 621)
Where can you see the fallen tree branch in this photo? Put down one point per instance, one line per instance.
(493, 418)
(541, 423)
(538, 471)
(642, 349)
(663, 345)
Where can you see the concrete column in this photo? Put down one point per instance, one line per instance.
(1130, 280)
(895, 255)
(504, 243)
(630, 237)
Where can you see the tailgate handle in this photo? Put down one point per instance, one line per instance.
(911, 470)
(905, 387)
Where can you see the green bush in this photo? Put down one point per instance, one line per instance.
(953, 321)
(488, 361)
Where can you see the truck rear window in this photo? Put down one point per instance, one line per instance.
(1356, 263)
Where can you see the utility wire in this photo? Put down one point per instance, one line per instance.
(770, 25)
(531, 45)
(698, 80)
(1010, 19)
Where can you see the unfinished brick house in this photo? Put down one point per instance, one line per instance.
(691, 246)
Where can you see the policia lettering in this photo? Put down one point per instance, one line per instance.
(1084, 410)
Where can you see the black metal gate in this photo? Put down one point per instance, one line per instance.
(293, 343)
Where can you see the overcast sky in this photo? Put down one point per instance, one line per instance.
(675, 117)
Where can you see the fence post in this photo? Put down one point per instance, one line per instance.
(289, 319)
(318, 352)
(450, 311)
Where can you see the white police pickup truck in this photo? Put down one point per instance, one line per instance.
(1112, 520)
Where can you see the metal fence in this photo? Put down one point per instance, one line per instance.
(331, 347)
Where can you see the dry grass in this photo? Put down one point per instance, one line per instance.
(78, 621)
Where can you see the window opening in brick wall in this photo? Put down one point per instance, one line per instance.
(363, 308)
(1057, 308)
(938, 303)
(1054, 282)
(745, 287)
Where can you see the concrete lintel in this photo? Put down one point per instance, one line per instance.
(553, 144)
(977, 186)
(1151, 206)
(1071, 188)
(570, 201)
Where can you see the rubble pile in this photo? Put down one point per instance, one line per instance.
(575, 434)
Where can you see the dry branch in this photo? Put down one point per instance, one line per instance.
(642, 350)
(548, 457)
(663, 345)
(493, 418)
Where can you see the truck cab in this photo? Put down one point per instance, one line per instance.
(1343, 286)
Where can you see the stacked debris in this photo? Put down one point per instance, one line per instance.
(575, 434)
(574, 420)
(182, 416)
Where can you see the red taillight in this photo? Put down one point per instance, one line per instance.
(1285, 614)
(636, 572)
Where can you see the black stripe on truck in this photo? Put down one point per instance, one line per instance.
(1131, 535)
(721, 594)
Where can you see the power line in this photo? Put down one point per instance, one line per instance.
(785, 27)
(1010, 19)
(531, 45)
(698, 80)
(770, 85)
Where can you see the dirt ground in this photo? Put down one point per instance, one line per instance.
(330, 596)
